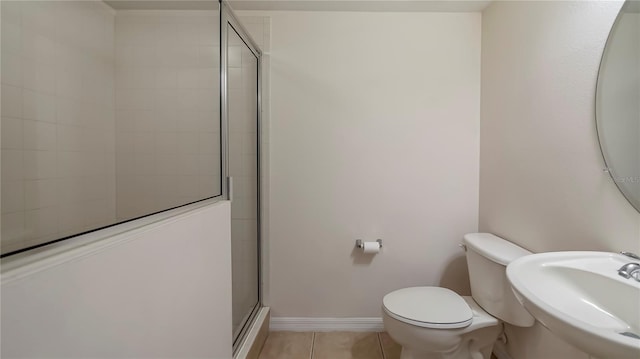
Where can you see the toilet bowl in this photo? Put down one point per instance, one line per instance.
(454, 327)
(435, 322)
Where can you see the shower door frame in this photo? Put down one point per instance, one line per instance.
(227, 18)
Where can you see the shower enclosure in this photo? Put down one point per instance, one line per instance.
(241, 105)
(116, 110)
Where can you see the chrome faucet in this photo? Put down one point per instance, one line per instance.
(630, 255)
(630, 270)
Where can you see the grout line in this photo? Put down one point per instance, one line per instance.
(384, 356)
(313, 344)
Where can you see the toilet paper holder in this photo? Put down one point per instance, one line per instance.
(360, 244)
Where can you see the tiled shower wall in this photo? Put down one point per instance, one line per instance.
(167, 109)
(58, 161)
(135, 94)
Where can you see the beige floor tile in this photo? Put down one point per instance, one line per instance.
(346, 345)
(287, 345)
(390, 349)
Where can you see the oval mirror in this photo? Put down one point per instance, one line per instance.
(618, 102)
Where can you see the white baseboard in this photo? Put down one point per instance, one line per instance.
(303, 324)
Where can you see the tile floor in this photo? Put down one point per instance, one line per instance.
(329, 345)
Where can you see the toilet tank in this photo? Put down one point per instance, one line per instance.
(487, 258)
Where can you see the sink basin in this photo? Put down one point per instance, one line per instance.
(580, 297)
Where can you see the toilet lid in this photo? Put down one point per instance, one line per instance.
(428, 307)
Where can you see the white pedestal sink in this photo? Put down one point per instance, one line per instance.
(580, 297)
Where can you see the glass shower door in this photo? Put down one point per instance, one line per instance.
(242, 104)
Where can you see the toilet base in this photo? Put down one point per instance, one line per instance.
(476, 353)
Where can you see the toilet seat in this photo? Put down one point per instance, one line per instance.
(428, 307)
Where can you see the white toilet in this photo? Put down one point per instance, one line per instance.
(434, 322)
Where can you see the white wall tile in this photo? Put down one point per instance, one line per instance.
(208, 33)
(70, 138)
(188, 121)
(94, 164)
(167, 99)
(167, 121)
(97, 214)
(70, 164)
(188, 165)
(145, 164)
(188, 143)
(12, 228)
(189, 99)
(145, 142)
(145, 121)
(235, 78)
(135, 33)
(209, 143)
(69, 83)
(135, 99)
(209, 166)
(136, 56)
(39, 17)
(12, 165)
(38, 46)
(166, 143)
(96, 187)
(71, 217)
(188, 78)
(61, 110)
(177, 56)
(39, 135)
(188, 186)
(125, 120)
(69, 111)
(11, 68)
(166, 78)
(12, 196)
(38, 106)
(11, 31)
(209, 78)
(11, 102)
(125, 143)
(40, 76)
(40, 165)
(41, 193)
(125, 164)
(41, 222)
(209, 100)
(209, 121)
(209, 56)
(209, 185)
(234, 55)
(187, 33)
(135, 77)
(12, 133)
(166, 34)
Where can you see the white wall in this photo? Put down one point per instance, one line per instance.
(374, 134)
(541, 179)
(58, 155)
(163, 290)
